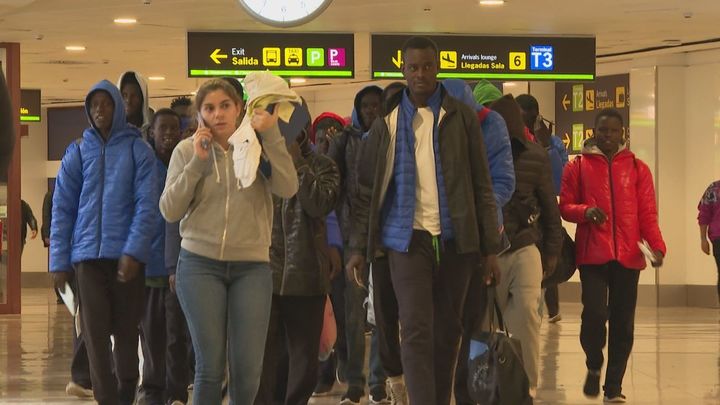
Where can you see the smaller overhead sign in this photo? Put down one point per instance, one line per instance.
(30, 105)
(577, 104)
(472, 57)
(213, 54)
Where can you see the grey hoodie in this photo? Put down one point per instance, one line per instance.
(219, 220)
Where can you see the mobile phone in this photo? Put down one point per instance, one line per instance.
(205, 143)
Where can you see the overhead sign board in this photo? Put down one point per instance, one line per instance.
(30, 105)
(494, 58)
(577, 104)
(213, 54)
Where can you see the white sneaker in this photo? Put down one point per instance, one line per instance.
(177, 403)
(555, 319)
(76, 390)
(398, 391)
(615, 399)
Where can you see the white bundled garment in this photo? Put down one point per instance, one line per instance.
(263, 89)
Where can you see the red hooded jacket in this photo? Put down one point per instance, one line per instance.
(624, 190)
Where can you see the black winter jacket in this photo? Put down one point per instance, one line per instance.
(345, 150)
(532, 216)
(465, 169)
(299, 252)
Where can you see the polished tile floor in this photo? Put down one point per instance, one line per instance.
(676, 359)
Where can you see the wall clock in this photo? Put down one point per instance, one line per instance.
(285, 13)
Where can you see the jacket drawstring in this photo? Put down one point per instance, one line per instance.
(217, 170)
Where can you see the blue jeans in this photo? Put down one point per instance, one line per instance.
(227, 306)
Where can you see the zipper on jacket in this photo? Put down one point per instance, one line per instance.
(227, 204)
(102, 192)
(612, 207)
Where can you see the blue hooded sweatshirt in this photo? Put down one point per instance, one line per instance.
(106, 200)
(497, 144)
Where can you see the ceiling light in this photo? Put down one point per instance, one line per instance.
(297, 80)
(492, 2)
(125, 21)
(75, 48)
(156, 78)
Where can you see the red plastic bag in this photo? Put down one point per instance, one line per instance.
(328, 336)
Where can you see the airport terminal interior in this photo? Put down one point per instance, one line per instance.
(647, 69)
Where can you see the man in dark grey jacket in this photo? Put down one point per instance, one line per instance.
(428, 200)
(300, 266)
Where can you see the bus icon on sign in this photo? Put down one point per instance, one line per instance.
(542, 57)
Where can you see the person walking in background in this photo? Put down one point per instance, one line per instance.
(610, 194)
(223, 279)
(163, 334)
(558, 159)
(709, 222)
(28, 220)
(301, 269)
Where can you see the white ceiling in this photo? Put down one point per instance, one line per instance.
(156, 46)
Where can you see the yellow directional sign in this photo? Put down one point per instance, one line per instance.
(620, 97)
(271, 56)
(398, 61)
(293, 57)
(566, 140)
(589, 100)
(216, 56)
(565, 102)
(589, 133)
(448, 60)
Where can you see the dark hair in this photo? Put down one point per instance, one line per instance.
(236, 85)
(213, 85)
(527, 102)
(609, 113)
(182, 101)
(511, 113)
(420, 43)
(163, 111)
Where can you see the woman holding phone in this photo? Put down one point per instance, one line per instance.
(223, 279)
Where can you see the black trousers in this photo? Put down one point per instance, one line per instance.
(109, 307)
(386, 318)
(80, 366)
(327, 370)
(430, 298)
(163, 337)
(609, 295)
(552, 300)
(302, 320)
(716, 253)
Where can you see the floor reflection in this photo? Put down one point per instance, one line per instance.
(676, 359)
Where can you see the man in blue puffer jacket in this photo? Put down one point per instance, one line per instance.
(105, 215)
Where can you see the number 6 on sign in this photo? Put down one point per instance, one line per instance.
(517, 61)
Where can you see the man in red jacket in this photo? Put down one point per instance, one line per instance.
(609, 193)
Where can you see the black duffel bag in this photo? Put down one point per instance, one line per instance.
(497, 377)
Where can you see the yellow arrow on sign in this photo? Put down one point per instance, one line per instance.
(565, 102)
(398, 61)
(566, 140)
(215, 56)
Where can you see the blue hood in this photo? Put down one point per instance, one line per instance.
(460, 90)
(119, 123)
(356, 104)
